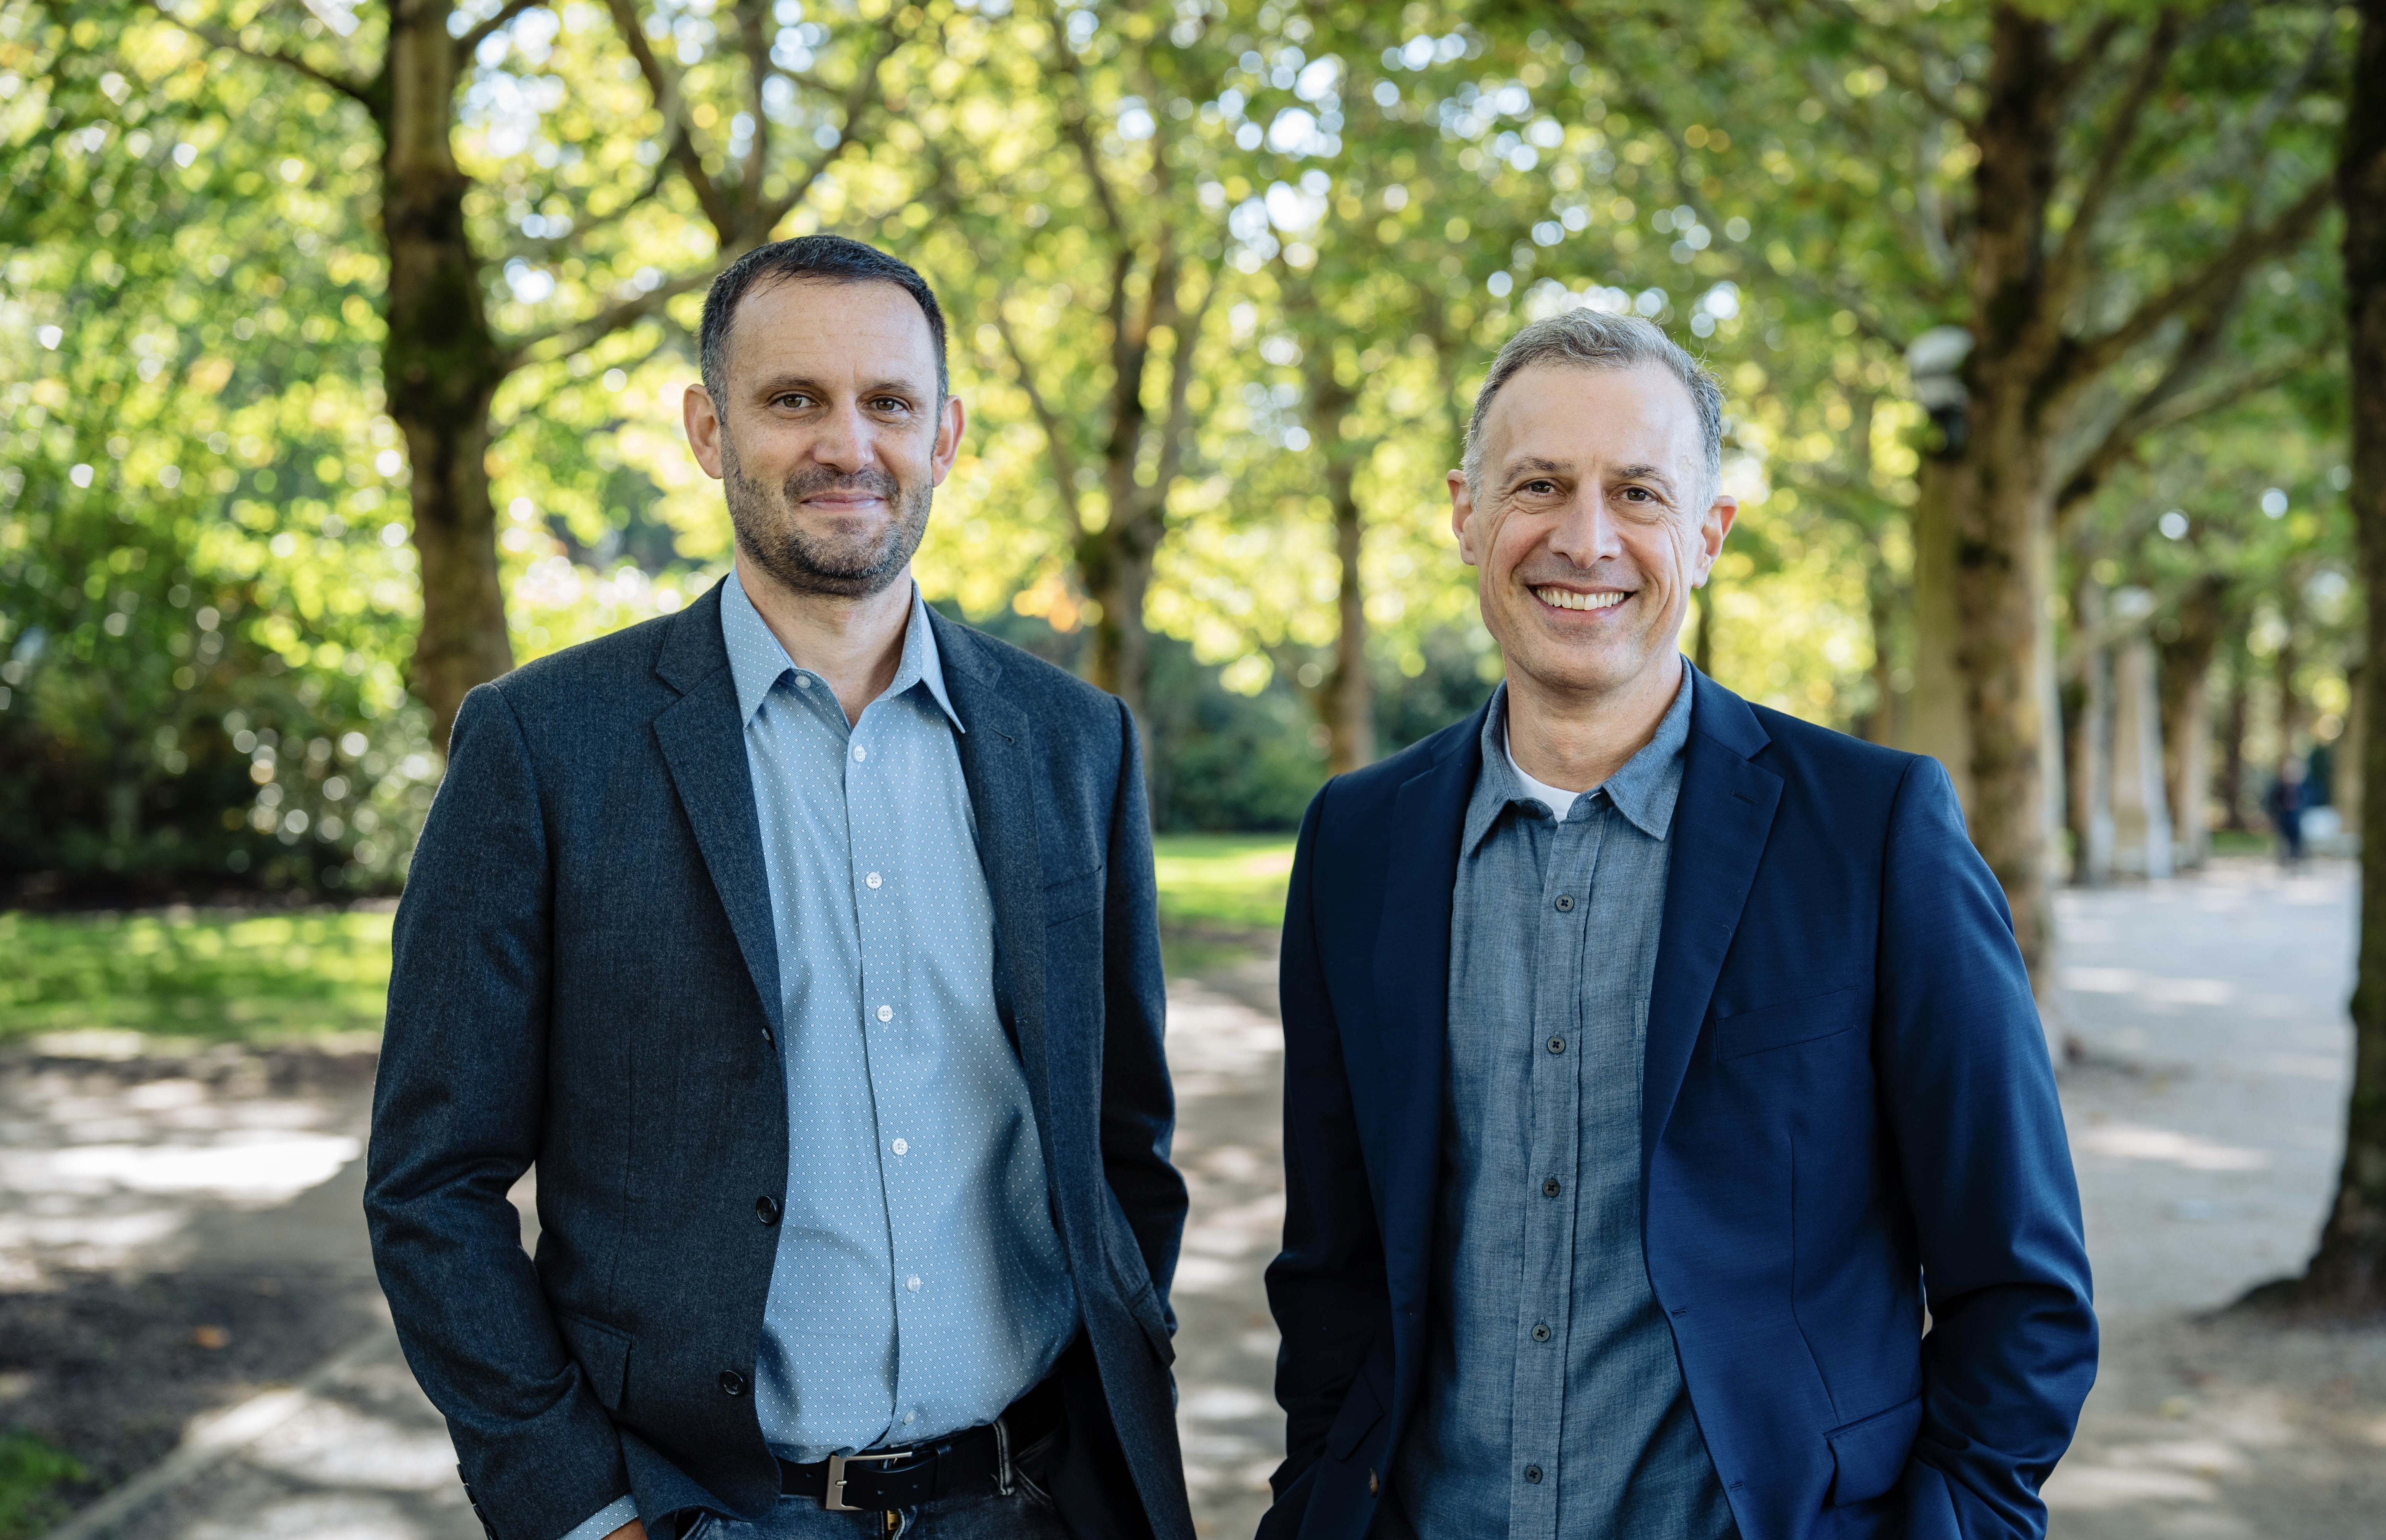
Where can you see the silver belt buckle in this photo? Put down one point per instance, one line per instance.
(833, 1499)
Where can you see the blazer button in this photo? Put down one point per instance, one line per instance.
(766, 1208)
(732, 1383)
(1374, 1483)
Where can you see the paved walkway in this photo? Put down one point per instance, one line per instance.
(2205, 1119)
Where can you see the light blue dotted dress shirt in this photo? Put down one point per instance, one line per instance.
(920, 1286)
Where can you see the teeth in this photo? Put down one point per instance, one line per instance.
(1565, 598)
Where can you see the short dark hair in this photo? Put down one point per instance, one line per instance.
(824, 259)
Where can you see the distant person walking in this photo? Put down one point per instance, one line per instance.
(2289, 798)
(806, 942)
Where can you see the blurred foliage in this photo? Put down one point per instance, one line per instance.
(1236, 882)
(31, 1476)
(196, 974)
(206, 591)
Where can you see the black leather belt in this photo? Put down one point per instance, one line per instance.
(883, 1480)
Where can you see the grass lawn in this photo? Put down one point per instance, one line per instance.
(218, 976)
(195, 974)
(1222, 882)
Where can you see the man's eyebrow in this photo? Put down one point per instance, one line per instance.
(1643, 474)
(779, 384)
(1535, 463)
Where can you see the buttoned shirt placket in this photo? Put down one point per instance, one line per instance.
(1569, 866)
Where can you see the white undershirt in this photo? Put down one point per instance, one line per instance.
(1557, 799)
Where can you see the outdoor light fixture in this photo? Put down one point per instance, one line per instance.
(1934, 362)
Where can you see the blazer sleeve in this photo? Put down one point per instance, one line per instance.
(1138, 1112)
(1327, 1288)
(457, 1111)
(1986, 1168)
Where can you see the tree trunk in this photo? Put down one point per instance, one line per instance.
(2348, 1271)
(1345, 701)
(2091, 742)
(2292, 717)
(2233, 727)
(2186, 678)
(2000, 497)
(1116, 571)
(441, 366)
(1933, 722)
(1703, 642)
(1881, 725)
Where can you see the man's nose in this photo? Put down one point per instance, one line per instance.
(1587, 532)
(844, 440)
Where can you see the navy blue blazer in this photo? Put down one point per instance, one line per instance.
(586, 976)
(1847, 1110)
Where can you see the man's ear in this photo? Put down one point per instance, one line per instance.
(1715, 524)
(703, 423)
(1462, 517)
(949, 423)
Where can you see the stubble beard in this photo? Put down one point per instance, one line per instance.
(770, 535)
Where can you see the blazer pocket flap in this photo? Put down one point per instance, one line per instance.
(1072, 897)
(1868, 1457)
(603, 1354)
(1362, 1409)
(1792, 1021)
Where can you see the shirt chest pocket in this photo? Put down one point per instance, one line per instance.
(1764, 1028)
(1073, 897)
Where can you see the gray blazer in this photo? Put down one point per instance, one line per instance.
(586, 979)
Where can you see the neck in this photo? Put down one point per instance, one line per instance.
(855, 644)
(1575, 741)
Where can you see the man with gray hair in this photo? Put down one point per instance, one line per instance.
(1653, 1061)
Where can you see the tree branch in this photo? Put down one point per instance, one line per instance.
(364, 92)
(2118, 139)
(662, 84)
(471, 41)
(2209, 289)
(752, 15)
(629, 312)
(2164, 406)
(1064, 467)
(855, 106)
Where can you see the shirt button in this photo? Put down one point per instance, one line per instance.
(1557, 1045)
(861, 753)
(886, 1013)
(913, 1283)
(732, 1383)
(909, 1418)
(1540, 1334)
(766, 1208)
(902, 1147)
(803, 681)
(1550, 1188)
(1533, 1474)
(873, 879)
(1566, 900)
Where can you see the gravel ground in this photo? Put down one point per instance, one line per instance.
(142, 1200)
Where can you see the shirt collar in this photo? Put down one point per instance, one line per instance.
(1643, 789)
(758, 663)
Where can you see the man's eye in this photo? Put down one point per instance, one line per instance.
(1638, 493)
(1540, 488)
(791, 400)
(891, 404)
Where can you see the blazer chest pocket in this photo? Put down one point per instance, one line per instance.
(1788, 1023)
(1073, 897)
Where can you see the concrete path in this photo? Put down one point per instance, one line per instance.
(2205, 1119)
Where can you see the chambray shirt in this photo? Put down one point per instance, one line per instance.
(920, 1286)
(1555, 1403)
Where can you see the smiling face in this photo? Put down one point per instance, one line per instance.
(1592, 523)
(831, 440)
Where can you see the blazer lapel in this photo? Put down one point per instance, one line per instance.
(994, 754)
(1721, 821)
(703, 740)
(1412, 977)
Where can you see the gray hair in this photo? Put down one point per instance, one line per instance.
(1592, 338)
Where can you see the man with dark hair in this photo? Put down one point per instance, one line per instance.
(1648, 1055)
(805, 942)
